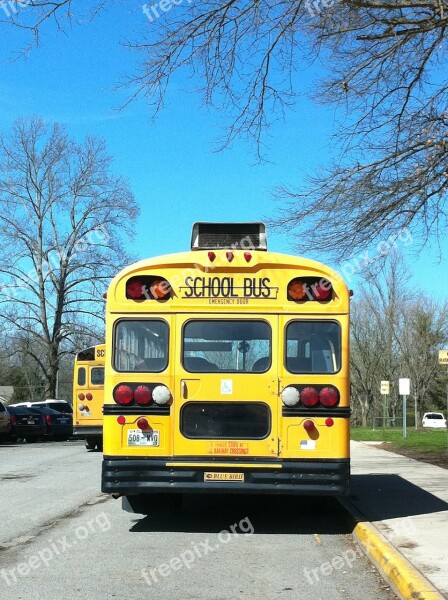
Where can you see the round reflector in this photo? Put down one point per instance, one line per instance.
(290, 396)
(309, 396)
(329, 422)
(160, 289)
(329, 396)
(161, 394)
(143, 395)
(134, 289)
(123, 394)
(81, 397)
(297, 290)
(308, 425)
(121, 420)
(143, 424)
(89, 396)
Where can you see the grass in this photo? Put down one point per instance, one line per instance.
(422, 440)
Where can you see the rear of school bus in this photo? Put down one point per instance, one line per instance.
(227, 371)
(88, 396)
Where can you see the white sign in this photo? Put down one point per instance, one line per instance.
(226, 386)
(443, 357)
(385, 387)
(404, 387)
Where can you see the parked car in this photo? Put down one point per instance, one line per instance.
(5, 421)
(433, 419)
(58, 426)
(60, 405)
(26, 423)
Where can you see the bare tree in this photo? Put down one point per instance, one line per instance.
(365, 359)
(63, 218)
(425, 331)
(387, 78)
(387, 74)
(396, 332)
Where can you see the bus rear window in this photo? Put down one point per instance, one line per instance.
(81, 376)
(226, 346)
(313, 347)
(141, 346)
(97, 376)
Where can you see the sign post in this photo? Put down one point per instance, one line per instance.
(385, 390)
(443, 360)
(404, 389)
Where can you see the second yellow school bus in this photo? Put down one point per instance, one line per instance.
(227, 370)
(88, 396)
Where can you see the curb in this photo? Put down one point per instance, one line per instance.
(406, 581)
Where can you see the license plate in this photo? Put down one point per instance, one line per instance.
(223, 476)
(137, 437)
(30, 421)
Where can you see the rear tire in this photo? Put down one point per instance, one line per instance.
(31, 440)
(90, 444)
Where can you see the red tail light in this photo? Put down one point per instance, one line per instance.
(89, 396)
(329, 396)
(13, 420)
(143, 395)
(322, 290)
(123, 395)
(143, 424)
(308, 425)
(309, 396)
(48, 419)
(134, 289)
(81, 397)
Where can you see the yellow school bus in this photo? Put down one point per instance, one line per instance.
(88, 396)
(227, 371)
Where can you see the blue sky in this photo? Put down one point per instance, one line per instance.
(174, 171)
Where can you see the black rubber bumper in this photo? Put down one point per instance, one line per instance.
(85, 431)
(142, 476)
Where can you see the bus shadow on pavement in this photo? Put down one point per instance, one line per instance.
(267, 514)
(381, 497)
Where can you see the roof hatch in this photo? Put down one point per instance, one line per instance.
(236, 236)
